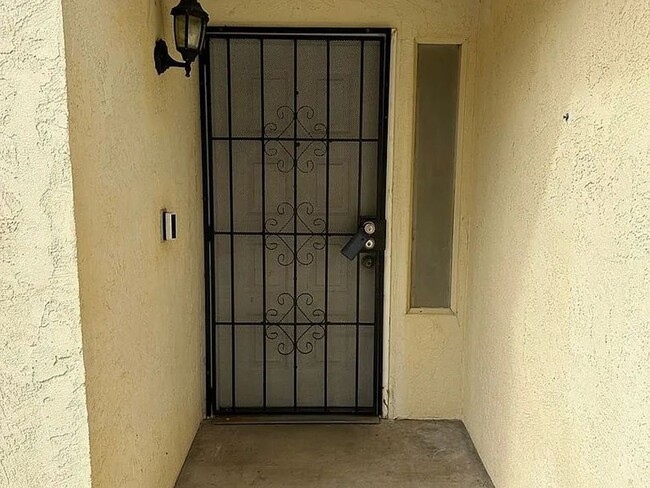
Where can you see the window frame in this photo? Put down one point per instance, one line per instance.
(461, 126)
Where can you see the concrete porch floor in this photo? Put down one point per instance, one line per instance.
(401, 453)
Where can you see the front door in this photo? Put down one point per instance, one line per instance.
(294, 129)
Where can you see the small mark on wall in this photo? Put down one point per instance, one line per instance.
(565, 117)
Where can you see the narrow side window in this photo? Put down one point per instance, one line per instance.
(436, 117)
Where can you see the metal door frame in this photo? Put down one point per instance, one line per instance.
(383, 35)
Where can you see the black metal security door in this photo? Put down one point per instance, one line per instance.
(294, 130)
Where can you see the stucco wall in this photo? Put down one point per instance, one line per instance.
(135, 149)
(43, 420)
(558, 330)
(424, 356)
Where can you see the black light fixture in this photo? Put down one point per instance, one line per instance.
(190, 21)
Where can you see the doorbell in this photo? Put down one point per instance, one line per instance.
(169, 227)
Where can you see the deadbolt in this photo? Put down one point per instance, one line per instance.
(369, 238)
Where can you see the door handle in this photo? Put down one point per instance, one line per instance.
(369, 238)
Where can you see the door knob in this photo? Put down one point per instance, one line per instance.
(365, 240)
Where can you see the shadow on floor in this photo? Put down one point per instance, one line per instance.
(393, 453)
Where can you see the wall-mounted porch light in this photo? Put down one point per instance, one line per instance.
(190, 21)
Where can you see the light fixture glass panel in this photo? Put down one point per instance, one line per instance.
(190, 39)
(179, 31)
(194, 33)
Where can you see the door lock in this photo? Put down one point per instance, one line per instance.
(369, 237)
(369, 227)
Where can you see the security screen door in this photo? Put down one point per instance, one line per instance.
(294, 125)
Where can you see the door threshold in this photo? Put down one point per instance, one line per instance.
(293, 419)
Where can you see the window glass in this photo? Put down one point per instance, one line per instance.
(437, 86)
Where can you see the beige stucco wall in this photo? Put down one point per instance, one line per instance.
(558, 330)
(135, 149)
(43, 420)
(423, 360)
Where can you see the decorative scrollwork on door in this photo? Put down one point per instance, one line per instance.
(289, 154)
(277, 237)
(288, 342)
(302, 118)
(286, 255)
(278, 142)
(302, 213)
